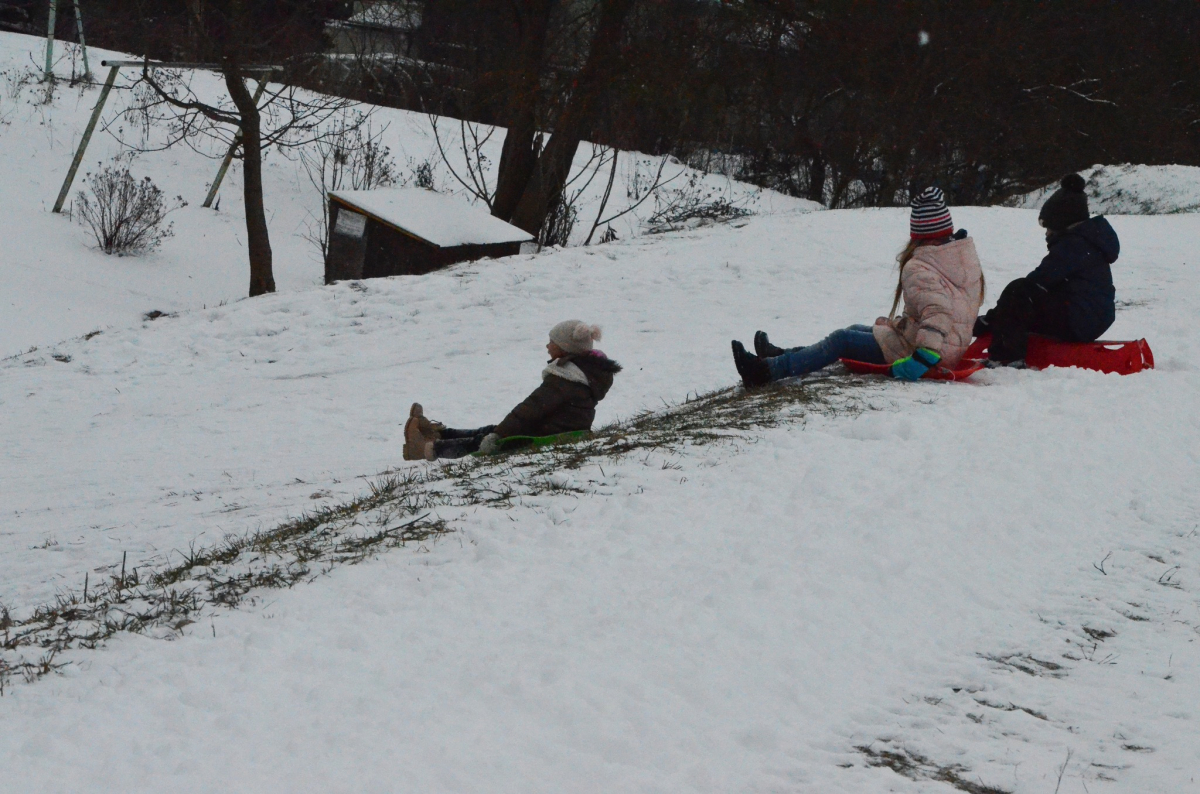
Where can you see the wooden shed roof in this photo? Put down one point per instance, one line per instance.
(435, 218)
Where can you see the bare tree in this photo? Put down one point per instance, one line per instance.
(543, 69)
(472, 141)
(522, 98)
(238, 37)
(553, 164)
(283, 117)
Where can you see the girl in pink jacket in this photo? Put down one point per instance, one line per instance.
(942, 286)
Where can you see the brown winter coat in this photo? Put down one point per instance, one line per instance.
(943, 287)
(566, 400)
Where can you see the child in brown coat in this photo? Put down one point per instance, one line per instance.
(576, 379)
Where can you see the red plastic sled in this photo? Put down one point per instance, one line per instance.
(966, 368)
(1124, 358)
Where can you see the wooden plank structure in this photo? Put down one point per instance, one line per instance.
(410, 231)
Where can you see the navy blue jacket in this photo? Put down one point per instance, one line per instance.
(1078, 267)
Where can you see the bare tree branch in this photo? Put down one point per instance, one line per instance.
(483, 194)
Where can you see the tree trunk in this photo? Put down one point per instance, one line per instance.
(816, 178)
(552, 168)
(520, 153)
(546, 182)
(262, 279)
(517, 160)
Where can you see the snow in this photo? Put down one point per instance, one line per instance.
(444, 221)
(739, 616)
(719, 618)
(1132, 190)
(54, 284)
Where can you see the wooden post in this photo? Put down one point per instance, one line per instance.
(48, 74)
(87, 136)
(87, 70)
(237, 139)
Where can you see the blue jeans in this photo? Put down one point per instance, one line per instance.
(856, 342)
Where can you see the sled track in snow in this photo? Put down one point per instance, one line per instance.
(162, 599)
(1094, 639)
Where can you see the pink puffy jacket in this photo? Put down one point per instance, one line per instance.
(942, 287)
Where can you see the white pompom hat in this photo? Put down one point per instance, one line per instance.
(575, 336)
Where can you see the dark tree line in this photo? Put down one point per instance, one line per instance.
(851, 103)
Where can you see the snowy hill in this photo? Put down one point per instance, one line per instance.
(987, 586)
(56, 285)
(1132, 190)
(732, 617)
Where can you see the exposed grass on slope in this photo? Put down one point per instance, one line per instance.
(398, 511)
(917, 767)
(164, 601)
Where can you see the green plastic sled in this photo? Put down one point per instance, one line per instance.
(515, 443)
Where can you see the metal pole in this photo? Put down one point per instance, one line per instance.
(215, 67)
(48, 74)
(87, 136)
(87, 70)
(237, 139)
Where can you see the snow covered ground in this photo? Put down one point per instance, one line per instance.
(204, 264)
(723, 619)
(991, 583)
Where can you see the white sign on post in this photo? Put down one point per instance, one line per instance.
(351, 224)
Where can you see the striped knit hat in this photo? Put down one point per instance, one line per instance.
(930, 216)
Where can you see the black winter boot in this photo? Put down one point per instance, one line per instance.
(763, 347)
(1008, 346)
(754, 370)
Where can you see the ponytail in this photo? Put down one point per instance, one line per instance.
(902, 259)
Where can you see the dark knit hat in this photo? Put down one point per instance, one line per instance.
(1066, 206)
(930, 217)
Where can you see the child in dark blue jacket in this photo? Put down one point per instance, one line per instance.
(1070, 295)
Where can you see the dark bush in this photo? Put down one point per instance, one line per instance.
(126, 215)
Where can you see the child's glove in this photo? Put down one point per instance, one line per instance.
(490, 444)
(914, 366)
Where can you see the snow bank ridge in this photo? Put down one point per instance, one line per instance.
(1132, 190)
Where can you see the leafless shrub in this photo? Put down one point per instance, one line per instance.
(422, 174)
(559, 223)
(126, 215)
(16, 80)
(692, 204)
(353, 159)
(644, 182)
(44, 95)
(351, 156)
(564, 210)
(76, 55)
